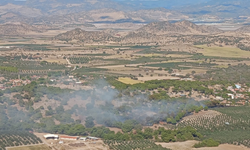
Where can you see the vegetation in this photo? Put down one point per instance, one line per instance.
(207, 143)
(128, 81)
(233, 74)
(17, 138)
(160, 135)
(224, 51)
(36, 147)
(232, 126)
(133, 145)
(8, 69)
(79, 60)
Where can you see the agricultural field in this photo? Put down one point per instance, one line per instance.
(224, 52)
(35, 147)
(134, 145)
(79, 60)
(12, 138)
(230, 125)
(128, 81)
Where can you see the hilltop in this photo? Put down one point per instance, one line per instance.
(152, 32)
(86, 36)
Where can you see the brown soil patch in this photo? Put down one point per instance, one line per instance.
(116, 130)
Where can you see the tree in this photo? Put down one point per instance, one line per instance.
(89, 122)
(127, 126)
(169, 120)
(173, 121)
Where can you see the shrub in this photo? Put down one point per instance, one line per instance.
(207, 143)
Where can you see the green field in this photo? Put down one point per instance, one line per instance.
(224, 51)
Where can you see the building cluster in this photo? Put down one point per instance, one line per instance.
(6, 83)
(236, 96)
(65, 137)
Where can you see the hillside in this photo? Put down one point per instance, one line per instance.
(86, 36)
(20, 29)
(222, 9)
(183, 27)
(21, 10)
(108, 15)
(244, 29)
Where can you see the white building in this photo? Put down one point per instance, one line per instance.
(51, 136)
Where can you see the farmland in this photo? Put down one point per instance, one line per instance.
(37, 147)
(128, 81)
(134, 145)
(224, 52)
(151, 94)
(10, 139)
(231, 126)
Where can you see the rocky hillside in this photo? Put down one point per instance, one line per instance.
(86, 36)
(20, 29)
(244, 29)
(183, 27)
(157, 31)
(160, 32)
(108, 15)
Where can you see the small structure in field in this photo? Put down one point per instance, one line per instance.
(51, 136)
(83, 138)
(63, 137)
(93, 138)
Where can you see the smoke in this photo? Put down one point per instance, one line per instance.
(109, 106)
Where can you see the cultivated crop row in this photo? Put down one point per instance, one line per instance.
(12, 138)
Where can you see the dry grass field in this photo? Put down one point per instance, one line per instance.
(129, 81)
(59, 61)
(35, 147)
(224, 51)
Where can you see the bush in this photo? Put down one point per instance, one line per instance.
(207, 143)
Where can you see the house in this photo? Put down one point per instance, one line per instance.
(51, 136)
(237, 86)
(64, 137)
(240, 103)
(83, 138)
(2, 78)
(240, 96)
(92, 138)
(219, 98)
(229, 88)
(231, 95)
(183, 95)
